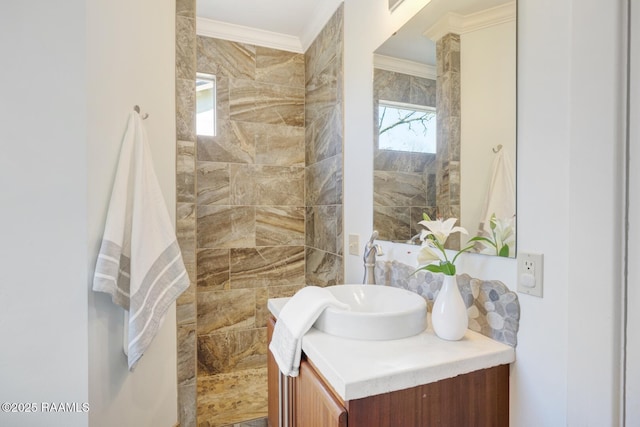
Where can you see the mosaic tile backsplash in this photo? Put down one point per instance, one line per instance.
(494, 310)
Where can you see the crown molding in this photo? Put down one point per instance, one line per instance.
(461, 24)
(404, 66)
(241, 34)
(238, 33)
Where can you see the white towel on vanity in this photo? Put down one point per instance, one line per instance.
(139, 263)
(295, 319)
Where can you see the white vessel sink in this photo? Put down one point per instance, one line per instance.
(377, 313)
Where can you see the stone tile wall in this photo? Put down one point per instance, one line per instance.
(256, 204)
(186, 208)
(323, 155)
(448, 136)
(404, 183)
(250, 218)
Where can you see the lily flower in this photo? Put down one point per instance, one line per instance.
(501, 238)
(433, 239)
(440, 229)
(427, 255)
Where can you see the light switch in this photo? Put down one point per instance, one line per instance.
(354, 244)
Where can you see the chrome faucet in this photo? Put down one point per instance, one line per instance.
(371, 250)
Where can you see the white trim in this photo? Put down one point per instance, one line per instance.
(459, 24)
(449, 23)
(404, 66)
(241, 34)
(238, 33)
(406, 106)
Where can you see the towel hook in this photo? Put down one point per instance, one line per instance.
(136, 108)
(497, 148)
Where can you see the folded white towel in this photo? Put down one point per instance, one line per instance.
(295, 319)
(139, 263)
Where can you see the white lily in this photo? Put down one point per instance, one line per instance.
(427, 255)
(440, 229)
(432, 247)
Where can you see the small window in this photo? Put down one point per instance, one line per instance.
(406, 127)
(205, 104)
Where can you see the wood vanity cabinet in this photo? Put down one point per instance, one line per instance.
(476, 399)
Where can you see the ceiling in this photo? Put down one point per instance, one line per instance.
(410, 43)
(299, 20)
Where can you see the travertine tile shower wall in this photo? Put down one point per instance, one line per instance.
(448, 137)
(324, 165)
(404, 182)
(250, 220)
(244, 204)
(186, 209)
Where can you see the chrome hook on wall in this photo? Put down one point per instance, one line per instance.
(136, 108)
(497, 148)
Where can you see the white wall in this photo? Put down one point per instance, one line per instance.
(71, 73)
(596, 149)
(569, 173)
(488, 110)
(633, 325)
(43, 213)
(131, 60)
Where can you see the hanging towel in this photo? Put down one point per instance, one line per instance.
(501, 195)
(295, 319)
(139, 263)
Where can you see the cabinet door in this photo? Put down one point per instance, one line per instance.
(273, 374)
(314, 405)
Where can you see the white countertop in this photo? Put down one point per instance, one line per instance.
(357, 369)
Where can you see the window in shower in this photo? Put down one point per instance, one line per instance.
(205, 104)
(406, 127)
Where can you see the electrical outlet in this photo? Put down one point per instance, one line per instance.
(354, 244)
(530, 274)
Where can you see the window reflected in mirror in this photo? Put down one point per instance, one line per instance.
(406, 127)
(458, 59)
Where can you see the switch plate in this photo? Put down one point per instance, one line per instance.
(354, 244)
(530, 274)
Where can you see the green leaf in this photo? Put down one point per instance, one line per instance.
(482, 239)
(504, 251)
(448, 268)
(433, 268)
(425, 216)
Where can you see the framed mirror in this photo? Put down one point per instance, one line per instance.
(445, 124)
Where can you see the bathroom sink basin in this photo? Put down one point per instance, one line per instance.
(377, 313)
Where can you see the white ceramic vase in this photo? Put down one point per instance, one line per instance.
(449, 316)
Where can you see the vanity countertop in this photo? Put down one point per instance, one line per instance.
(357, 369)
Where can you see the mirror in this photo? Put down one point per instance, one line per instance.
(455, 60)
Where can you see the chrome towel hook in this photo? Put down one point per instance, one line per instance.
(136, 108)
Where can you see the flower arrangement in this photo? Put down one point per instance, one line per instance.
(433, 239)
(501, 236)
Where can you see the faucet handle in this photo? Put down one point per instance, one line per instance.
(378, 249)
(373, 237)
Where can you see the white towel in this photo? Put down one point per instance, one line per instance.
(295, 319)
(139, 263)
(501, 194)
